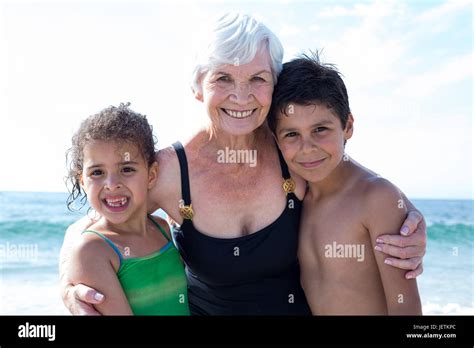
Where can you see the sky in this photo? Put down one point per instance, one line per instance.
(407, 65)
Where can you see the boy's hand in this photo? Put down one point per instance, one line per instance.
(79, 299)
(407, 249)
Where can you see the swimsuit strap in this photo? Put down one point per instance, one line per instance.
(109, 242)
(183, 164)
(289, 185)
(159, 227)
(185, 206)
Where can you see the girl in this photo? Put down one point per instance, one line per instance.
(126, 254)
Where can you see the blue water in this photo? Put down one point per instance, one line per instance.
(37, 222)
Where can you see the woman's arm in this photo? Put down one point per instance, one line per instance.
(386, 211)
(92, 263)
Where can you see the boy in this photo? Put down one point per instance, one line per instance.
(346, 206)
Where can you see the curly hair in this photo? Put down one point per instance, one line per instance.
(119, 124)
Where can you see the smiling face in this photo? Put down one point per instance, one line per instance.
(311, 139)
(116, 179)
(238, 97)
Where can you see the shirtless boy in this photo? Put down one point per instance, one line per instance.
(346, 206)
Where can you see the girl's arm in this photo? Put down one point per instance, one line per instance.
(386, 209)
(94, 263)
(77, 298)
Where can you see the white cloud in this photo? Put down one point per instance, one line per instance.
(288, 30)
(376, 50)
(377, 9)
(335, 11)
(57, 78)
(390, 81)
(440, 12)
(425, 156)
(457, 69)
(368, 53)
(441, 18)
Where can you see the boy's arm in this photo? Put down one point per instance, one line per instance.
(386, 211)
(407, 250)
(91, 264)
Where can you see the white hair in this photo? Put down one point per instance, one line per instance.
(236, 39)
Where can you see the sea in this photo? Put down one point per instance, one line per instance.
(32, 227)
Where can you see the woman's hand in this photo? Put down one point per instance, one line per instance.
(79, 299)
(409, 248)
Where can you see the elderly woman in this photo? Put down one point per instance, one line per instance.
(238, 221)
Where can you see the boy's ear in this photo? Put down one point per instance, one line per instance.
(152, 175)
(349, 127)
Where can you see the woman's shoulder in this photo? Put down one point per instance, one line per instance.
(168, 179)
(162, 223)
(190, 143)
(167, 157)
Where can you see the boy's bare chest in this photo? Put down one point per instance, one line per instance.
(333, 228)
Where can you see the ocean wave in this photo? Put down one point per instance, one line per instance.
(37, 229)
(451, 232)
(449, 222)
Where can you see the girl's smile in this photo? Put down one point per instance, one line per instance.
(116, 179)
(116, 204)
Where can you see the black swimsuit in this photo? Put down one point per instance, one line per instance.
(256, 274)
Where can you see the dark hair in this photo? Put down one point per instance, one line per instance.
(119, 124)
(306, 81)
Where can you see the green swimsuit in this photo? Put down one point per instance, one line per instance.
(154, 284)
